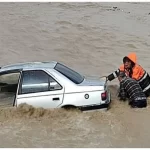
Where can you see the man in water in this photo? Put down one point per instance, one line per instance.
(134, 71)
(130, 88)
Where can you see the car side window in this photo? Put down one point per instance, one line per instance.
(34, 81)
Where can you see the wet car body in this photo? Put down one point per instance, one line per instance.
(52, 85)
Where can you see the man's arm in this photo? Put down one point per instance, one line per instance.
(113, 75)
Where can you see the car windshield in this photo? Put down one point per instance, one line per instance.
(69, 73)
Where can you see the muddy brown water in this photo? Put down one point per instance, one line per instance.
(91, 38)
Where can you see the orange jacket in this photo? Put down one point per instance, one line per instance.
(138, 71)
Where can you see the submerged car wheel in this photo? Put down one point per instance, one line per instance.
(70, 107)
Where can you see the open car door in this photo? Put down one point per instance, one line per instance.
(9, 81)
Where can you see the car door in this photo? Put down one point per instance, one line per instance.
(39, 89)
(9, 81)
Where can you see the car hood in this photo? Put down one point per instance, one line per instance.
(89, 81)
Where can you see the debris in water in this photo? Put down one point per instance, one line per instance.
(115, 7)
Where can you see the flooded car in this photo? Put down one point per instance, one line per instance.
(51, 85)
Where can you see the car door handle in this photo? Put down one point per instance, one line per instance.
(56, 99)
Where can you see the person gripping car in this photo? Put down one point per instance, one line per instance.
(130, 88)
(134, 71)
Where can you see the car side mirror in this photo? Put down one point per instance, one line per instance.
(54, 86)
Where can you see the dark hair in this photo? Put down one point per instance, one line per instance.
(127, 59)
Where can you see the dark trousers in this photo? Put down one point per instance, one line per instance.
(138, 104)
(147, 93)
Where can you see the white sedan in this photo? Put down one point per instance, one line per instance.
(52, 85)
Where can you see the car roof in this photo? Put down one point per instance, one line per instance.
(28, 65)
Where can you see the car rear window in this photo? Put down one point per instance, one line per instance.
(69, 73)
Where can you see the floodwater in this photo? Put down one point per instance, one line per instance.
(91, 38)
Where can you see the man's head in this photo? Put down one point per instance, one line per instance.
(130, 60)
(121, 75)
(127, 63)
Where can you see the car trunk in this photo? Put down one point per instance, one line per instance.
(93, 81)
